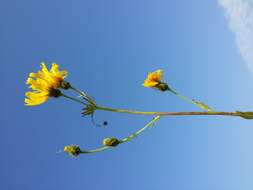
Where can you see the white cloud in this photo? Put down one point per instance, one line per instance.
(239, 14)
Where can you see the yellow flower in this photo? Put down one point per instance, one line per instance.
(154, 80)
(45, 84)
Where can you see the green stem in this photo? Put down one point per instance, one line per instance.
(152, 122)
(91, 101)
(124, 140)
(195, 102)
(74, 99)
(156, 113)
(95, 150)
(181, 96)
(84, 95)
(125, 111)
(167, 113)
(198, 113)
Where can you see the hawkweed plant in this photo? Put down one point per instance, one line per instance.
(51, 83)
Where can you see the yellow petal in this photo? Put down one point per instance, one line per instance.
(43, 82)
(156, 75)
(54, 68)
(63, 73)
(35, 95)
(35, 101)
(150, 83)
(38, 84)
(44, 67)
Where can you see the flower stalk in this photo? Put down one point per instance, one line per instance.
(192, 113)
(73, 99)
(109, 143)
(201, 105)
(136, 112)
(49, 83)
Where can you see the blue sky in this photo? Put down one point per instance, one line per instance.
(108, 47)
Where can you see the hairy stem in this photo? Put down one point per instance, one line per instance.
(197, 113)
(167, 113)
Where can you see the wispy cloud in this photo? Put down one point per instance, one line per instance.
(239, 14)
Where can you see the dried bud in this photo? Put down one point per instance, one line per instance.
(73, 150)
(111, 141)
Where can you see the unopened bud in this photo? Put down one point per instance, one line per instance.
(111, 141)
(73, 150)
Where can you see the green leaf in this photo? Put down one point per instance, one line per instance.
(202, 105)
(245, 115)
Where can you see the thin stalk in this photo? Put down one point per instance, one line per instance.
(195, 102)
(125, 111)
(124, 140)
(156, 113)
(167, 113)
(198, 113)
(74, 99)
(181, 96)
(95, 150)
(151, 123)
(84, 95)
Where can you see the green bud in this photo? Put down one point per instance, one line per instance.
(245, 115)
(65, 85)
(111, 141)
(162, 86)
(73, 150)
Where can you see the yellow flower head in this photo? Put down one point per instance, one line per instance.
(154, 80)
(45, 84)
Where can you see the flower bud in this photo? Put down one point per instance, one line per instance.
(65, 85)
(111, 141)
(73, 150)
